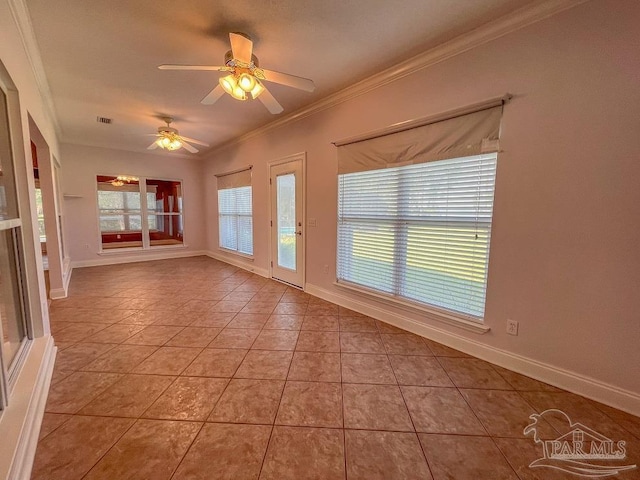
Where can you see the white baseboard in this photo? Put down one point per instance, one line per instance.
(57, 293)
(239, 262)
(574, 382)
(66, 275)
(113, 258)
(21, 420)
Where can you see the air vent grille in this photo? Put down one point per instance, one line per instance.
(104, 120)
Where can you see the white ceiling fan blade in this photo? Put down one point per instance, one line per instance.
(192, 67)
(271, 103)
(241, 47)
(153, 146)
(189, 148)
(213, 96)
(300, 83)
(192, 140)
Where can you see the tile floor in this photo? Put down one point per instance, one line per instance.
(193, 369)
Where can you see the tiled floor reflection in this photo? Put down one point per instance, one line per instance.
(194, 369)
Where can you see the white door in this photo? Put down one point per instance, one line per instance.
(287, 220)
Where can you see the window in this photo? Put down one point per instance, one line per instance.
(14, 331)
(414, 216)
(126, 221)
(164, 205)
(419, 232)
(235, 212)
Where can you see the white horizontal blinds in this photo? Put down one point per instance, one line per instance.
(419, 232)
(462, 136)
(235, 213)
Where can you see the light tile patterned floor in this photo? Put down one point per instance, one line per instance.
(194, 369)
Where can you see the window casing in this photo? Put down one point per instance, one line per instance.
(139, 212)
(235, 219)
(420, 232)
(15, 331)
(235, 211)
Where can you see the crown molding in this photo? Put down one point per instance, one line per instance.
(488, 32)
(22, 19)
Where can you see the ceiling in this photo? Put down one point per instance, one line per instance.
(100, 58)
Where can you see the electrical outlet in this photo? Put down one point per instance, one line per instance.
(325, 269)
(512, 327)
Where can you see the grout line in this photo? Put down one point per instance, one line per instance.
(186, 452)
(112, 445)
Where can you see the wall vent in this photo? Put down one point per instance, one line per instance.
(104, 120)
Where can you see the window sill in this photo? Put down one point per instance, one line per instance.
(116, 251)
(432, 313)
(226, 251)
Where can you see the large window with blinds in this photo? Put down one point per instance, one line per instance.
(414, 215)
(235, 212)
(420, 232)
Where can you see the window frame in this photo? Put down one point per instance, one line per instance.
(395, 297)
(20, 232)
(144, 216)
(237, 216)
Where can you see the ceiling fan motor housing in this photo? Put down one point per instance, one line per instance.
(167, 130)
(228, 58)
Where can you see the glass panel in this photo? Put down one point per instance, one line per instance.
(235, 219)
(165, 230)
(286, 205)
(13, 325)
(421, 232)
(8, 201)
(164, 196)
(119, 211)
(40, 214)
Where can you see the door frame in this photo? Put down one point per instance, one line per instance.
(301, 156)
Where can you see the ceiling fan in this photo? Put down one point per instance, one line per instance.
(245, 76)
(170, 139)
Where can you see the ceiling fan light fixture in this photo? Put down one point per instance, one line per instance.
(247, 82)
(174, 144)
(228, 83)
(257, 90)
(238, 93)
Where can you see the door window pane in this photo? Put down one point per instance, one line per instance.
(11, 314)
(286, 204)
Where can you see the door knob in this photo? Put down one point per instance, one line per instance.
(299, 232)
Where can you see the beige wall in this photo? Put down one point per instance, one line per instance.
(82, 164)
(565, 251)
